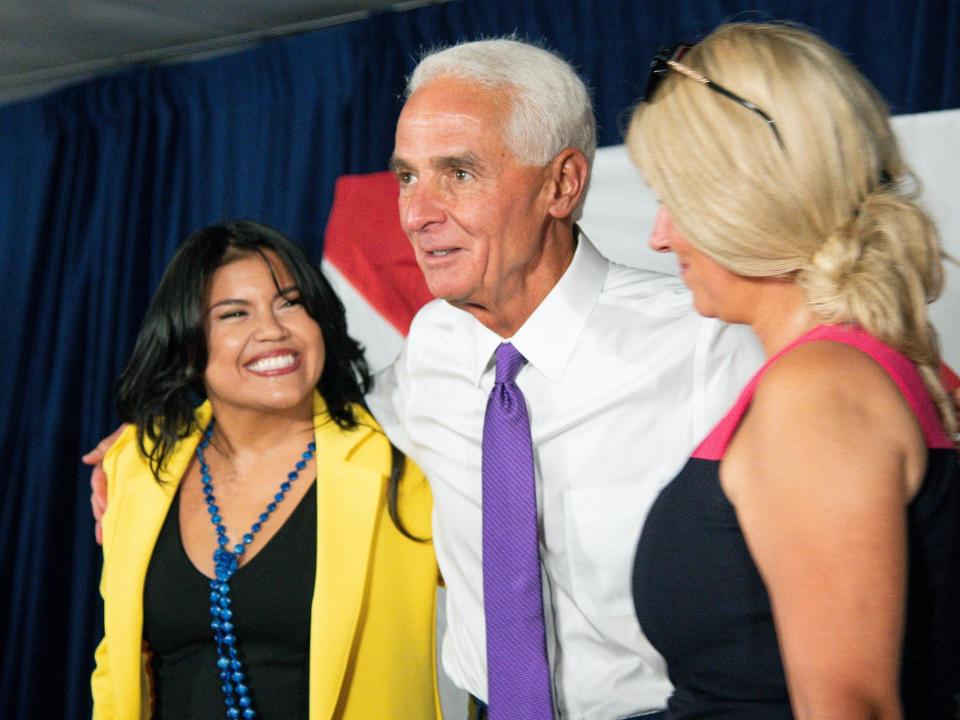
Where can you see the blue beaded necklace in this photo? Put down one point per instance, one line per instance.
(236, 694)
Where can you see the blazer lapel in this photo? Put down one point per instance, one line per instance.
(349, 503)
(141, 504)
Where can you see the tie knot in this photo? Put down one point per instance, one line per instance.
(509, 362)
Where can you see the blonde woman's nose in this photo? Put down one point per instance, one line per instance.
(660, 237)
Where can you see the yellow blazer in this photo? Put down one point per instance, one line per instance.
(372, 638)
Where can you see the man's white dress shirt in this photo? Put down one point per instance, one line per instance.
(623, 379)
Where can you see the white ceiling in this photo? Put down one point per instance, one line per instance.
(48, 43)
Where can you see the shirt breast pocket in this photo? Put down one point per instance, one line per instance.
(603, 527)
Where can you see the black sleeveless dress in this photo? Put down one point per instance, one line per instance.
(702, 603)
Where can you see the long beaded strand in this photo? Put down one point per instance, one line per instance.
(236, 693)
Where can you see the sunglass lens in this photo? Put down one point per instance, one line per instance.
(659, 67)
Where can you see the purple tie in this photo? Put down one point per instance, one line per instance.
(517, 670)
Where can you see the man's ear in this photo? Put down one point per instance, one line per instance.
(569, 174)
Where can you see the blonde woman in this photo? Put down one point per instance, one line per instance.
(806, 561)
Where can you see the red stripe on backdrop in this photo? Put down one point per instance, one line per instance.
(365, 243)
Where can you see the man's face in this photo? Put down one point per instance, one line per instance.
(474, 213)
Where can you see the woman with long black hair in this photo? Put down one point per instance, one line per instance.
(263, 542)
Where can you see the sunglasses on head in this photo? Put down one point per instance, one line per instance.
(668, 60)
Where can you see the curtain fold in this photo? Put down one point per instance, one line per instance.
(103, 179)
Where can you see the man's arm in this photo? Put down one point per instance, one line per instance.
(387, 399)
(98, 480)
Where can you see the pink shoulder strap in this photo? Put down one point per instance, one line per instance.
(903, 372)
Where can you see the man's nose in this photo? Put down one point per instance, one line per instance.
(420, 206)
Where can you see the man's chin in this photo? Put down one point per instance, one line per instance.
(458, 301)
(442, 289)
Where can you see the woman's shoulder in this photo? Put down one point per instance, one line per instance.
(124, 458)
(824, 416)
(371, 448)
(821, 362)
(824, 366)
(827, 378)
(125, 443)
(366, 443)
(823, 389)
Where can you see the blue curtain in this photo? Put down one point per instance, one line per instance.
(101, 180)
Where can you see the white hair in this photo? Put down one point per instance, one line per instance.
(551, 105)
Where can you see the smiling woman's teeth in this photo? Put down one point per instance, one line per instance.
(439, 253)
(271, 363)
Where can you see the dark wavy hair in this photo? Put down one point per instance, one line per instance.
(163, 382)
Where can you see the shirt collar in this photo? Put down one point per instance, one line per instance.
(549, 335)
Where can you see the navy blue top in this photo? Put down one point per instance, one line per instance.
(702, 603)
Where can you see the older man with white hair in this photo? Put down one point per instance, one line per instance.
(616, 378)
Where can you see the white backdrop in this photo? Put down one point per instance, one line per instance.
(619, 212)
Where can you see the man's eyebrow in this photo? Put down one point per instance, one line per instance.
(466, 161)
(397, 164)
